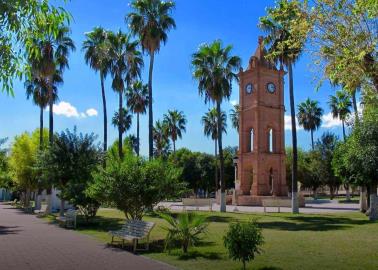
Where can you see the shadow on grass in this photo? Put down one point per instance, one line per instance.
(99, 223)
(196, 254)
(313, 223)
(270, 268)
(220, 219)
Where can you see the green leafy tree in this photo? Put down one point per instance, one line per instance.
(176, 125)
(326, 146)
(340, 106)
(162, 147)
(22, 161)
(210, 129)
(96, 48)
(137, 101)
(360, 157)
(19, 23)
(287, 28)
(344, 38)
(71, 160)
(310, 116)
(186, 229)
(215, 69)
(5, 179)
(235, 116)
(126, 65)
(134, 185)
(243, 241)
(151, 21)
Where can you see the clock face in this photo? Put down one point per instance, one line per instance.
(249, 88)
(271, 88)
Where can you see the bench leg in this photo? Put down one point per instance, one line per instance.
(148, 243)
(111, 243)
(279, 210)
(123, 243)
(135, 242)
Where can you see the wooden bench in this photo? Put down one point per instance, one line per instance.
(41, 212)
(197, 202)
(134, 230)
(14, 202)
(29, 209)
(278, 202)
(69, 219)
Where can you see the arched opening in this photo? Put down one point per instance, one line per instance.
(270, 140)
(251, 140)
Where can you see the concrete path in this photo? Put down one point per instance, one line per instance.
(27, 242)
(312, 207)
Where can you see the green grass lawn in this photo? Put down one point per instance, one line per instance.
(334, 241)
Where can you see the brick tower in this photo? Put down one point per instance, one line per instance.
(261, 156)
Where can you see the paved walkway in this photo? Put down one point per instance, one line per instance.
(27, 242)
(312, 207)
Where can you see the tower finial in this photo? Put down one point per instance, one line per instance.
(261, 39)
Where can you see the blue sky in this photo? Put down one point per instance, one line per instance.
(198, 21)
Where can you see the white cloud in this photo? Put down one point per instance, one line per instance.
(234, 102)
(65, 109)
(92, 112)
(288, 123)
(68, 110)
(329, 122)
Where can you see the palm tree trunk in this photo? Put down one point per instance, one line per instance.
(120, 123)
(150, 112)
(216, 167)
(174, 146)
(138, 142)
(294, 184)
(344, 136)
(41, 128)
(221, 169)
(312, 139)
(51, 140)
(105, 113)
(354, 102)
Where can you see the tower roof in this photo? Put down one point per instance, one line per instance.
(258, 59)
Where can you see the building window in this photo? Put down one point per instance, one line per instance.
(270, 140)
(251, 140)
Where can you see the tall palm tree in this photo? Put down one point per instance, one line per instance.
(235, 116)
(215, 69)
(96, 47)
(310, 116)
(210, 129)
(137, 100)
(126, 65)
(51, 56)
(340, 106)
(151, 21)
(37, 89)
(123, 123)
(161, 141)
(176, 124)
(285, 47)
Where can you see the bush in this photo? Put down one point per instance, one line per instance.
(134, 185)
(185, 229)
(243, 241)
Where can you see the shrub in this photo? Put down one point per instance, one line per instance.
(243, 241)
(134, 185)
(185, 229)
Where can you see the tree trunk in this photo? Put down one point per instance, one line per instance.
(174, 146)
(51, 141)
(105, 113)
(120, 124)
(347, 193)
(216, 167)
(294, 184)
(41, 128)
(344, 136)
(312, 139)
(61, 210)
(373, 203)
(38, 200)
(354, 103)
(363, 201)
(138, 141)
(221, 160)
(150, 112)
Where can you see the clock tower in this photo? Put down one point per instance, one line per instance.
(261, 156)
